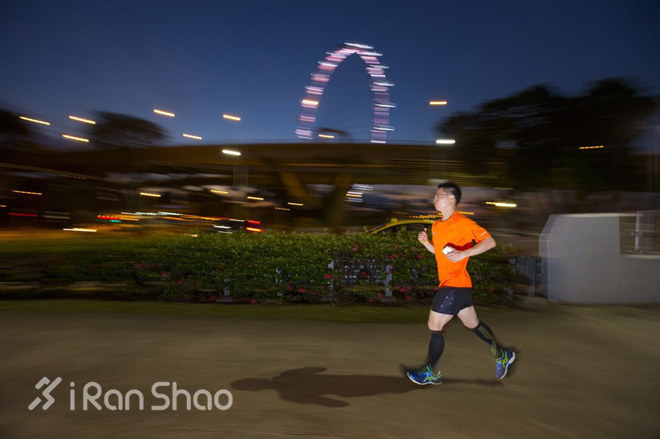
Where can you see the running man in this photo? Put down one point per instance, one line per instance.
(453, 238)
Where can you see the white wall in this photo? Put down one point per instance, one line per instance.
(582, 262)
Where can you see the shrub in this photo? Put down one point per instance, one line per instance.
(270, 268)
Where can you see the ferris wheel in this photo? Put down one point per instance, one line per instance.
(378, 84)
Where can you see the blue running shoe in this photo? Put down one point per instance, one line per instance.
(424, 376)
(503, 362)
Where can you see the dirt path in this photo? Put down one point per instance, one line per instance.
(583, 373)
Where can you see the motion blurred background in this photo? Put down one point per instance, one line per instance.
(144, 116)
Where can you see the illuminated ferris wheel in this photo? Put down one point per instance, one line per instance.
(378, 84)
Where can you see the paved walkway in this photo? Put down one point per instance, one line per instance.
(584, 372)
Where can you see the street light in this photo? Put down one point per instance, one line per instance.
(80, 119)
(231, 117)
(163, 113)
(231, 152)
(150, 194)
(445, 141)
(437, 103)
(28, 119)
(77, 139)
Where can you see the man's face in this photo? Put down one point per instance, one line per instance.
(442, 200)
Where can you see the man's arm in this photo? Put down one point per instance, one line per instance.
(423, 237)
(478, 249)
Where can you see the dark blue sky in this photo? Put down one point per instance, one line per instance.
(200, 59)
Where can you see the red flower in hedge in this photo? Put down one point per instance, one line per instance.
(302, 290)
(327, 276)
(253, 301)
(213, 298)
(408, 297)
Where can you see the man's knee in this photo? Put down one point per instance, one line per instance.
(435, 326)
(437, 323)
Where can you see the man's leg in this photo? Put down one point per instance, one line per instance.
(469, 318)
(504, 357)
(436, 324)
(426, 374)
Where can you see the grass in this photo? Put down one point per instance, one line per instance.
(312, 312)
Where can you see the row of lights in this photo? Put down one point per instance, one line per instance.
(225, 116)
(441, 103)
(92, 122)
(157, 195)
(219, 192)
(306, 102)
(66, 136)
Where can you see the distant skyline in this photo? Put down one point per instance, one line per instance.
(253, 59)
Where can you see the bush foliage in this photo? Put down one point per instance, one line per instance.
(264, 268)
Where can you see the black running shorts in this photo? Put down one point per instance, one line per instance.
(451, 300)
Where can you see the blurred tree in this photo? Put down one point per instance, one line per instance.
(120, 130)
(522, 121)
(14, 133)
(611, 114)
(538, 133)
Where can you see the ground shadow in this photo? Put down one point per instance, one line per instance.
(308, 385)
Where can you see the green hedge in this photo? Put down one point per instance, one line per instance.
(281, 268)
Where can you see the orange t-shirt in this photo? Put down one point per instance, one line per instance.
(457, 232)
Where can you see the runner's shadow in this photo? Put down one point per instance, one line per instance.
(492, 382)
(308, 385)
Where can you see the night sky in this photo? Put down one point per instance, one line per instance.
(200, 59)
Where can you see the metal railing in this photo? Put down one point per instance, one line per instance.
(640, 233)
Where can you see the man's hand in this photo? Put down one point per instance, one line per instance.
(481, 247)
(423, 237)
(456, 255)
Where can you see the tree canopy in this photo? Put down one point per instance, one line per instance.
(120, 130)
(543, 136)
(14, 133)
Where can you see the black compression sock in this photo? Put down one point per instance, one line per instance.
(484, 332)
(436, 347)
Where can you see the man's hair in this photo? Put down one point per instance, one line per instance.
(451, 189)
